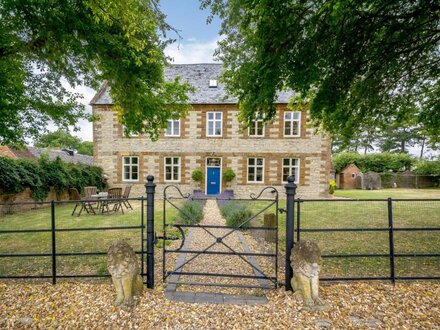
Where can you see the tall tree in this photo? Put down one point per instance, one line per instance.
(45, 42)
(85, 148)
(63, 139)
(360, 64)
(399, 139)
(58, 139)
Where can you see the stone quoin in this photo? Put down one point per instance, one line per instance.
(212, 139)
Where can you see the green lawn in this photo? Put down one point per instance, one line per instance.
(365, 214)
(322, 214)
(386, 193)
(69, 241)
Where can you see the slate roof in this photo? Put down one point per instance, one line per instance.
(197, 75)
(23, 153)
(65, 156)
(35, 153)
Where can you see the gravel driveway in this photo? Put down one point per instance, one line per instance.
(89, 306)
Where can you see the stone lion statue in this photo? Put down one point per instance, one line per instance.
(123, 266)
(306, 262)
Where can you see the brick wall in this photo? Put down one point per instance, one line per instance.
(347, 177)
(25, 197)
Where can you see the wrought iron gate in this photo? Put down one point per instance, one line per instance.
(181, 226)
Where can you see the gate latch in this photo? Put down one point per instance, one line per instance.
(166, 238)
(282, 210)
(172, 238)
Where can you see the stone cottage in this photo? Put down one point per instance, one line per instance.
(210, 138)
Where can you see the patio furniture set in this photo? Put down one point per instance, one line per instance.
(95, 202)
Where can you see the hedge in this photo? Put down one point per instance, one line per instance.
(426, 167)
(39, 176)
(381, 162)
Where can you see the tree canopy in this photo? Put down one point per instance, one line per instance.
(63, 139)
(359, 64)
(44, 43)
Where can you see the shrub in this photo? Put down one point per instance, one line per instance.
(197, 175)
(238, 217)
(228, 175)
(228, 207)
(235, 214)
(191, 213)
(332, 186)
(10, 176)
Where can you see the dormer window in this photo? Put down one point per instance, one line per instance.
(213, 83)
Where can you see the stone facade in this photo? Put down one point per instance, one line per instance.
(194, 147)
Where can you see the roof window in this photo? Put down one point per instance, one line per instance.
(213, 83)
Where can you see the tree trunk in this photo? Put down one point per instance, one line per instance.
(423, 147)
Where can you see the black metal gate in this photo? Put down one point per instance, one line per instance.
(249, 235)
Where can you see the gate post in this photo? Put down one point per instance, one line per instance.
(290, 192)
(150, 188)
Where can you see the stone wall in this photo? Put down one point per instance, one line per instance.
(234, 147)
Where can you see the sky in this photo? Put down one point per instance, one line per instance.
(196, 44)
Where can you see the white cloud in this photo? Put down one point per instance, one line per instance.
(86, 129)
(192, 51)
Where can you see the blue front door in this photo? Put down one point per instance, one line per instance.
(213, 181)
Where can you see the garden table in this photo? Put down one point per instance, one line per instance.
(101, 195)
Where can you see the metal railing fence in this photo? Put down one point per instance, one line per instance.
(55, 229)
(392, 217)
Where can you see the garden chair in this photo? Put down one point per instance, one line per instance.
(125, 197)
(83, 202)
(89, 192)
(114, 199)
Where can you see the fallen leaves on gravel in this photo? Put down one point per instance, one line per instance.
(354, 305)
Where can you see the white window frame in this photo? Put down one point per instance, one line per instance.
(172, 168)
(130, 170)
(291, 167)
(173, 124)
(255, 125)
(132, 134)
(214, 121)
(292, 121)
(255, 166)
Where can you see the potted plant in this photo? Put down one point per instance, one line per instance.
(228, 176)
(197, 176)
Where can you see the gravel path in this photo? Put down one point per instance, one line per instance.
(89, 306)
(214, 263)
